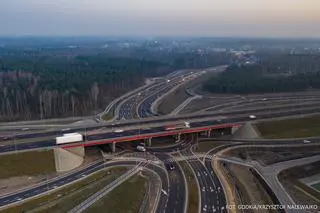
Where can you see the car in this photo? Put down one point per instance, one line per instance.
(252, 116)
(187, 124)
(306, 141)
(211, 189)
(118, 130)
(170, 166)
(204, 208)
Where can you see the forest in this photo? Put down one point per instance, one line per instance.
(285, 73)
(62, 83)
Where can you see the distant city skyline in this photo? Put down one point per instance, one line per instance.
(231, 18)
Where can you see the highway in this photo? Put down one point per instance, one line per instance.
(138, 105)
(177, 193)
(212, 195)
(135, 134)
(155, 121)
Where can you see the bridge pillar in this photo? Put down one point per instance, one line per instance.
(234, 129)
(209, 133)
(149, 141)
(195, 137)
(228, 131)
(113, 147)
(178, 137)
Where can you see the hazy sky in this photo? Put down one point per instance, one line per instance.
(266, 18)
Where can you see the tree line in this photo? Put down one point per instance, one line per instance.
(38, 87)
(42, 85)
(294, 73)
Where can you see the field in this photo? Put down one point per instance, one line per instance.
(192, 188)
(66, 198)
(107, 116)
(126, 198)
(27, 163)
(290, 128)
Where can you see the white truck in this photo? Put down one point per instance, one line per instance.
(141, 148)
(69, 138)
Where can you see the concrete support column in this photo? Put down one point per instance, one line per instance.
(228, 131)
(195, 137)
(209, 133)
(113, 146)
(178, 137)
(149, 141)
(234, 129)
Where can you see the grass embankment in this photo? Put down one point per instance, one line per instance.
(316, 186)
(300, 192)
(27, 163)
(173, 100)
(66, 198)
(245, 187)
(126, 198)
(193, 196)
(107, 116)
(290, 128)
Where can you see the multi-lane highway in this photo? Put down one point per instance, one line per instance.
(177, 193)
(138, 133)
(212, 195)
(155, 121)
(59, 182)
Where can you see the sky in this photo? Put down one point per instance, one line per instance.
(231, 18)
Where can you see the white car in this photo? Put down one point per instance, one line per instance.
(118, 130)
(306, 141)
(252, 116)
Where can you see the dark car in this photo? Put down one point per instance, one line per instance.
(170, 166)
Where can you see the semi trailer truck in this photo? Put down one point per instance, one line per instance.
(69, 138)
